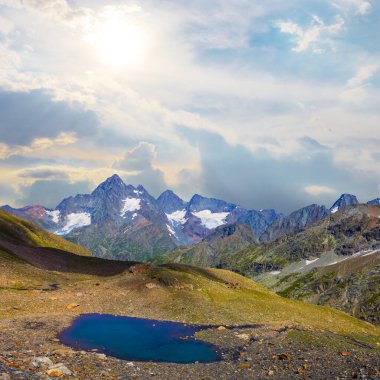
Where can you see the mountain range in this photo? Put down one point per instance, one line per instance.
(124, 222)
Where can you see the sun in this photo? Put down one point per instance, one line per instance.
(117, 42)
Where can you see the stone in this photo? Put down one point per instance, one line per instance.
(243, 336)
(72, 306)
(151, 285)
(220, 328)
(58, 370)
(344, 353)
(285, 357)
(41, 361)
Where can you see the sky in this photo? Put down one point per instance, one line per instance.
(267, 104)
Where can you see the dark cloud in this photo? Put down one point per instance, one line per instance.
(43, 174)
(259, 180)
(140, 159)
(29, 115)
(51, 192)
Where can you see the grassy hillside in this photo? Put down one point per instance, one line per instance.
(22, 232)
(46, 280)
(301, 265)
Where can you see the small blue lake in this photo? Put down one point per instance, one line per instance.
(138, 339)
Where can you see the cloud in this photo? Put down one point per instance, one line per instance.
(28, 117)
(6, 194)
(318, 190)
(139, 161)
(363, 74)
(361, 7)
(50, 192)
(257, 179)
(313, 37)
(43, 174)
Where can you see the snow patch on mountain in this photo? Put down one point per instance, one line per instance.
(171, 231)
(177, 217)
(211, 219)
(75, 220)
(334, 210)
(54, 215)
(130, 204)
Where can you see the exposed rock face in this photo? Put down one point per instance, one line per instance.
(125, 222)
(374, 202)
(334, 262)
(170, 202)
(296, 221)
(343, 201)
(224, 241)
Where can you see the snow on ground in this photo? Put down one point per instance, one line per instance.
(75, 220)
(137, 192)
(371, 253)
(177, 217)
(334, 210)
(211, 219)
(54, 215)
(308, 262)
(171, 231)
(130, 204)
(275, 272)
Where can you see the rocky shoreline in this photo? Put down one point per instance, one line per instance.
(29, 349)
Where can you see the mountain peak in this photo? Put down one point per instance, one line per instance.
(375, 202)
(112, 182)
(170, 201)
(344, 200)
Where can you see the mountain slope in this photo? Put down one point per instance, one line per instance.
(43, 289)
(296, 221)
(214, 248)
(18, 231)
(124, 222)
(172, 292)
(315, 264)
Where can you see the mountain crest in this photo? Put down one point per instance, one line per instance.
(344, 200)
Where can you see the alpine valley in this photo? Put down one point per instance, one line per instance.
(48, 284)
(315, 254)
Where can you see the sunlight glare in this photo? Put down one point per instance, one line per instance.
(116, 41)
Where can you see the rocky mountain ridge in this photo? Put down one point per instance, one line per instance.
(124, 222)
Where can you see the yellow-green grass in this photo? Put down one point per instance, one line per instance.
(20, 231)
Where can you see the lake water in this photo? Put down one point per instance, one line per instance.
(138, 339)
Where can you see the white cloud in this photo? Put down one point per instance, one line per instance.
(361, 7)
(363, 74)
(318, 190)
(315, 36)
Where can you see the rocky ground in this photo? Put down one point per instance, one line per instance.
(29, 349)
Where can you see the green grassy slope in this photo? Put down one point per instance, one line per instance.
(22, 232)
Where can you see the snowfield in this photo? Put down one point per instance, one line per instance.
(177, 217)
(130, 204)
(54, 215)
(210, 219)
(75, 220)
